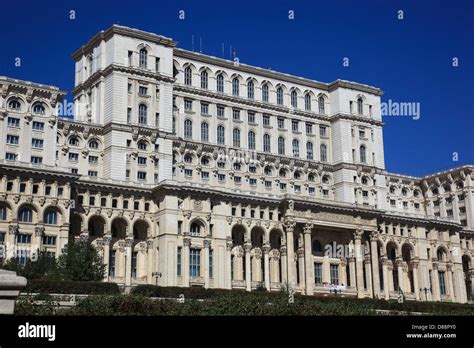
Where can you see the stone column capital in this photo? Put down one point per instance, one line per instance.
(307, 228)
(358, 234)
(374, 236)
(207, 244)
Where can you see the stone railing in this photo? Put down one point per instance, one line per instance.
(10, 286)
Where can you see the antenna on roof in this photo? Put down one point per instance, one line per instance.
(200, 44)
(192, 41)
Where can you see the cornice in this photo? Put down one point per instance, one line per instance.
(30, 170)
(104, 35)
(329, 87)
(145, 73)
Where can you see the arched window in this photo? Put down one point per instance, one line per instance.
(251, 140)
(93, 144)
(321, 105)
(279, 96)
(323, 153)
(188, 76)
(265, 93)
(297, 175)
(282, 173)
(38, 108)
(363, 158)
(142, 114)
(143, 58)
(3, 213)
(325, 179)
(73, 141)
(220, 83)
(317, 246)
(250, 90)
(142, 145)
(25, 215)
(440, 255)
(204, 79)
(14, 104)
(195, 229)
(294, 99)
(307, 102)
(281, 145)
(268, 170)
(236, 137)
(310, 177)
(360, 106)
(220, 135)
(266, 143)
(204, 131)
(50, 217)
(309, 150)
(188, 129)
(235, 86)
(296, 148)
(188, 158)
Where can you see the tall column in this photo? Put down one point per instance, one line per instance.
(435, 281)
(414, 266)
(128, 263)
(390, 285)
(308, 257)
(185, 263)
(375, 263)
(352, 272)
(368, 274)
(386, 285)
(401, 280)
(266, 265)
(449, 281)
(207, 246)
(290, 227)
(359, 263)
(284, 264)
(342, 273)
(248, 271)
(150, 264)
(228, 266)
(301, 269)
(106, 241)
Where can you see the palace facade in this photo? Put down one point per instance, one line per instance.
(185, 169)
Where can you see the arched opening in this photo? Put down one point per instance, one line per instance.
(50, 216)
(407, 257)
(276, 263)
(257, 262)
(119, 228)
(140, 230)
(392, 255)
(196, 228)
(467, 269)
(26, 213)
(75, 226)
(96, 226)
(237, 254)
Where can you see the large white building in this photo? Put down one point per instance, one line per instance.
(189, 170)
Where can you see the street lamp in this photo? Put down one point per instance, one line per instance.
(156, 275)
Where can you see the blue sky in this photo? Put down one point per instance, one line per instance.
(410, 59)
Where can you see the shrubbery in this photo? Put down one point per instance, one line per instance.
(70, 287)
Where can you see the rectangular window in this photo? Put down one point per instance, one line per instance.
(129, 115)
(130, 55)
(318, 273)
(253, 182)
(309, 128)
(205, 108)
(112, 263)
(22, 238)
(365, 193)
(211, 256)
(10, 156)
(194, 262)
(36, 160)
(311, 190)
(22, 256)
(92, 173)
(268, 184)
(220, 111)
(141, 160)
(237, 179)
(38, 126)
(141, 175)
(91, 200)
(442, 283)
(361, 133)
(334, 272)
(236, 114)
(13, 122)
(297, 189)
(142, 90)
(281, 123)
(73, 157)
(13, 139)
(129, 88)
(134, 264)
(266, 120)
(221, 177)
(49, 240)
(157, 64)
(93, 159)
(295, 126)
(205, 175)
(282, 186)
(326, 193)
(322, 131)
(251, 117)
(188, 105)
(178, 261)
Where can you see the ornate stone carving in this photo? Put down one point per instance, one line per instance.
(187, 214)
(358, 234)
(307, 228)
(187, 242)
(229, 219)
(39, 231)
(197, 205)
(207, 243)
(13, 229)
(128, 242)
(106, 239)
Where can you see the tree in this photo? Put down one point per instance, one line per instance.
(80, 261)
(42, 265)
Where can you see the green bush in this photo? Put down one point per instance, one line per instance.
(70, 287)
